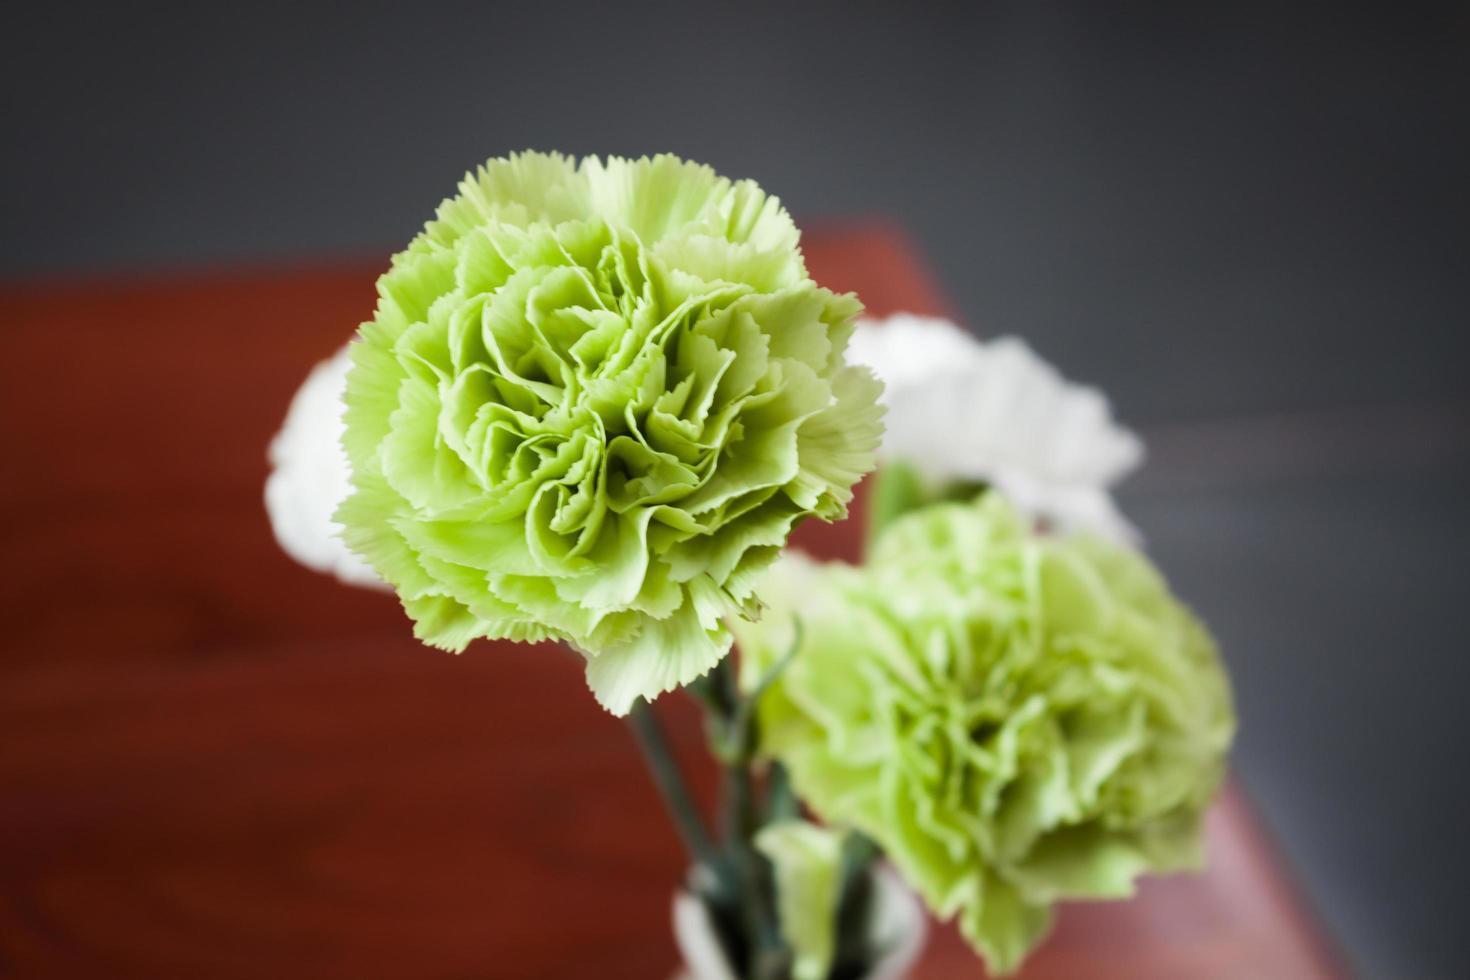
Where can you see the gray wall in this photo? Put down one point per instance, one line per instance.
(1248, 225)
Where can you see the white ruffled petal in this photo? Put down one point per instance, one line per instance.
(310, 477)
(962, 409)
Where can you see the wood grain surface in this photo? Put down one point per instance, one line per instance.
(214, 763)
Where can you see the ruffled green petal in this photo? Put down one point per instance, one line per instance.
(443, 622)
(417, 463)
(837, 445)
(807, 860)
(371, 397)
(667, 653)
(1003, 927)
(369, 530)
(1083, 861)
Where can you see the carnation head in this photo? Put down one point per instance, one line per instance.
(1016, 719)
(964, 412)
(592, 403)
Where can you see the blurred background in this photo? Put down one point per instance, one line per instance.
(1248, 225)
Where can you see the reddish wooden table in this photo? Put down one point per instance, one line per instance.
(216, 764)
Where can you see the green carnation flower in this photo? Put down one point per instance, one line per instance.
(592, 403)
(1016, 719)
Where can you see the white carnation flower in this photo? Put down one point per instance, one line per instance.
(962, 409)
(310, 477)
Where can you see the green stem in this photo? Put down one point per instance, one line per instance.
(670, 781)
(768, 953)
(781, 803)
(769, 958)
(859, 854)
